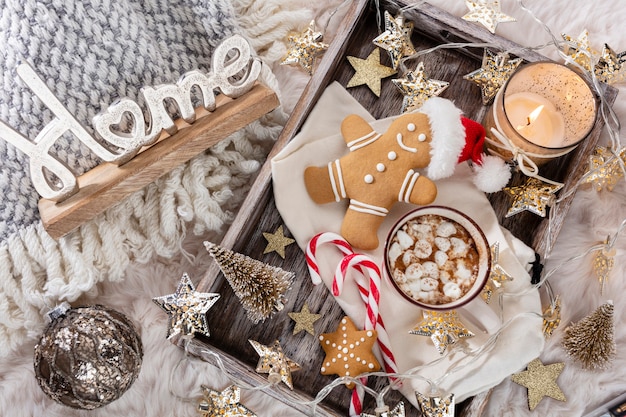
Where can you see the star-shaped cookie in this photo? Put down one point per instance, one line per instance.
(274, 362)
(349, 351)
(187, 309)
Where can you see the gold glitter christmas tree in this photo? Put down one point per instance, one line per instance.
(260, 287)
(590, 341)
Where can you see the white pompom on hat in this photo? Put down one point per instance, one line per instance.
(456, 139)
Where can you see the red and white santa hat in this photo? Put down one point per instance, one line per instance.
(456, 139)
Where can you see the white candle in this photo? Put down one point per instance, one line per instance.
(536, 119)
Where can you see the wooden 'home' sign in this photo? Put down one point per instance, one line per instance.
(152, 147)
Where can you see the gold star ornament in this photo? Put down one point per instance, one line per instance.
(443, 327)
(495, 71)
(304, 48)
(396, 39)
(497, 274)
(187, 309)
(540, 381)
(398, 411)
(611, 67)
(436, 406)
(304, 320)
(605, 168)
(369, 71)
(579, 49)
(417, 88)
(487, 13)
(274, 362)
(534, 196)
(277, 241)
(225, 403)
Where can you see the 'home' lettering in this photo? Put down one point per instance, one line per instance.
(232, 58)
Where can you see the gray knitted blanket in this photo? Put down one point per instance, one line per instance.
(90, 53)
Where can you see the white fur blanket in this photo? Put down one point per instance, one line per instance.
(592, 217)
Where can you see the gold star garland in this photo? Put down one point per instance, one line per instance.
(552, 317)
(605, 168)
(225, 403)
(581, 51)
(495, 71)
(487, 13)
(436, 406)
(398, 411)
(603, 263)
(497, 274)
(274, 362)
(304, 320)
(534, 196)
(369, 71)
(187, 309)
(417, 88)
(443, 327)
(304, 48)
(277, 241)
(611, 67)
(540, 381)
(396, 39)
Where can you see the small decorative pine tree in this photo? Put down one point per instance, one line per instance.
(591, 340)
(260, 287)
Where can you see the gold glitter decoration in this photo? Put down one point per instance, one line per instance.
(348, 351)
(591, 341)
(187, 309)
(304, 320)
(540, 381)
(534, 196)
(611, 67)
(603, 263)
(495, 71)
(605, 168)
(260, 287)
(443, 327)
(581, 52)
(369, 71)
(487, 13)
(497, 274)
(396, 39)
(417, 88)
(87, 357)
(552, 317)
(225, 403)
(277, 241)
(274, 362)
(304, 48)
(398, 411)
(436, 406)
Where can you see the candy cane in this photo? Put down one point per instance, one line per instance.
(370, 273)
(370, 294)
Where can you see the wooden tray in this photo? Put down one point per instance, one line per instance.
(231, 330)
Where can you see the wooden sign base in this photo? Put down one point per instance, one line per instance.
(107, 184)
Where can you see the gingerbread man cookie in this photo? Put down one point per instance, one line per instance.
(382, 169)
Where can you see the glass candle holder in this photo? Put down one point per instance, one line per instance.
(545, 109)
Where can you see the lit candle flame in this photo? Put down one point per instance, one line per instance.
(531, 117)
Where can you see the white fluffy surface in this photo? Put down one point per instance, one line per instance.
(592, 217)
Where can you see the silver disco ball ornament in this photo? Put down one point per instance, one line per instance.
(87, 356)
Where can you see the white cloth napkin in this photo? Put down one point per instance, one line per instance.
(518, 343)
